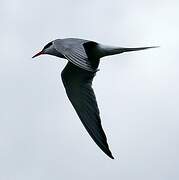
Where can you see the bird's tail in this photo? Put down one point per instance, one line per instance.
(136, 49)
(107, 51)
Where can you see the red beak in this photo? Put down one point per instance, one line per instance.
(38, 54)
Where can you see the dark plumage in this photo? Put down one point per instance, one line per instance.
(77, 76)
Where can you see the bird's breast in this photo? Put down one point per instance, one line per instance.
(54, 52)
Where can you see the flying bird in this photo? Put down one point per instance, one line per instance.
(83, 60)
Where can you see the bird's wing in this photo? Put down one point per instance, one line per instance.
(74, 51)
(78, 85)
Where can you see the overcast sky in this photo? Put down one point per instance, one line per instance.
(41, 136)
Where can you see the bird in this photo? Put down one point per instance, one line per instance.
(83, 58)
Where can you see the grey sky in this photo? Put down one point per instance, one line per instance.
(41, 136)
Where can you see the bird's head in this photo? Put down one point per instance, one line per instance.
(48, 49)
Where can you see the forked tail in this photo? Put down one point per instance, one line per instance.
(136, 49)
(107, 50)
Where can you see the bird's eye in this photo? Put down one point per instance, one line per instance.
(48, 45)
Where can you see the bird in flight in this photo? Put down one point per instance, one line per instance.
(83, 60)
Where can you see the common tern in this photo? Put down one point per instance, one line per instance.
(83, 60)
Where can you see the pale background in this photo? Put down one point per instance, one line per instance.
(41, 137)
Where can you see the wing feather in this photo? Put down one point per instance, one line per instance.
(74, 51)
(78, 86)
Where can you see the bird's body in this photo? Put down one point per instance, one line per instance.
(83, 60)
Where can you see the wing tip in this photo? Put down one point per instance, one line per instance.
(111, 157)
(109, 154)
